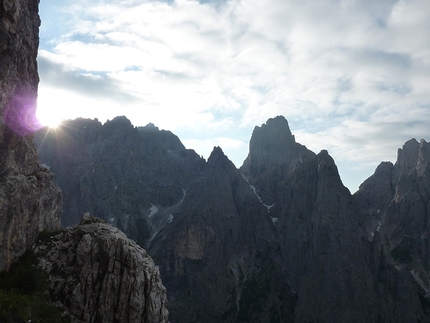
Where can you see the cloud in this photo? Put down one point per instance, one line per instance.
(82, 82)
(351, 76)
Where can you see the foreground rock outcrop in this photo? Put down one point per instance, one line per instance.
(99, 275)
(30, 201)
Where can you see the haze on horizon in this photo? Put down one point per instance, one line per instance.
(350, 76)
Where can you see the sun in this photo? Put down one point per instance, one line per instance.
(48, 119)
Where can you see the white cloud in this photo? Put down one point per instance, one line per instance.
(351, 75)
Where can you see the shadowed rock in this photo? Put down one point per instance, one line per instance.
(30, 201)
(402, 204)
(281, 239)
(118, 172)
(99, 275)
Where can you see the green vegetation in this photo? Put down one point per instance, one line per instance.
(46, 236)
(24, 295)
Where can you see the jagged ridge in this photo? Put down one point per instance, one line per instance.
(279, 239)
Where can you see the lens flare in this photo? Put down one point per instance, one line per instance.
(48, 119)
(20, 115)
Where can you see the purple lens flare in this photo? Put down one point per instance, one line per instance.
(20, 115)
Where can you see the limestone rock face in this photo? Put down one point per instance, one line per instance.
(280, 240)
(374, 196)
(402, 208)
(30, 201)
(400, 194)
(273, 154)
(202, 223)
(324, 247)
(219, 257)
(99, 275)
(120, 173)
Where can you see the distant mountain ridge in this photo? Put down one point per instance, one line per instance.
(278, 240)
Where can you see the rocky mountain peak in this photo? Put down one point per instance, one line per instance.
(375, 193)
(384, 168)
(379, 184)
(119, 121)
(149, 127)
(413, 156)
(273, 144)
(328, 173)
(277, 126)
(162, 138)
(273, 154)
(270, 142)
(218, 158)
(119, 127)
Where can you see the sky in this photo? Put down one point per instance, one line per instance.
(350, 76)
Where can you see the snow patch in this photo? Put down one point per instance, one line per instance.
(184, 193)
(372, 234)
(153, 209)
(379, 226)
(153, 236)
(170, 219)
(116, 187)
(274, 220)
(268, 206)
(112, 219)
(255, 192)
(245, 177)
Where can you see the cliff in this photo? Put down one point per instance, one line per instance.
(219, 257)
(323, 241)
(96, 273)
(118, 172)
(30, 201)
(395, 202)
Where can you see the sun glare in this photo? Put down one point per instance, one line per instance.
(48, 119)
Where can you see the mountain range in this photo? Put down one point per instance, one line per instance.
(278, 240)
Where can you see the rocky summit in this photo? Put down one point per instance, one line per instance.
(278, 240)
